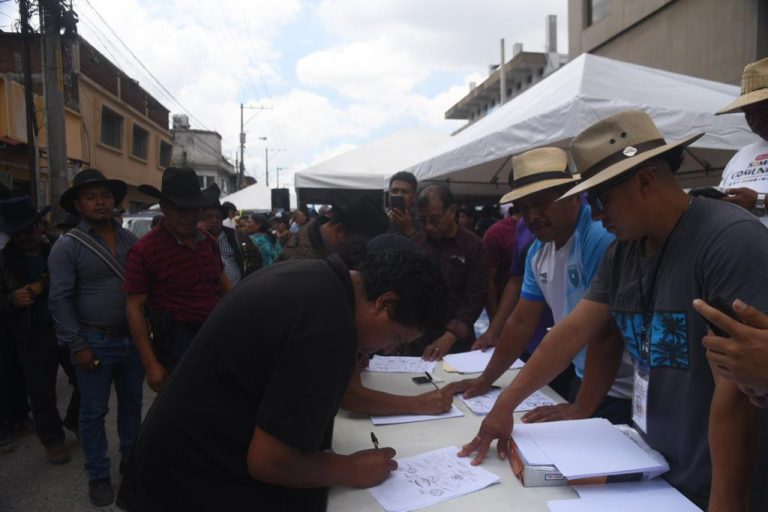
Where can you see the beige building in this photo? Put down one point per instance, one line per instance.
(712, 39)
(112, 123)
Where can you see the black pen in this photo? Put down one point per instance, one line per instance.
(375, 441)
(429, 378)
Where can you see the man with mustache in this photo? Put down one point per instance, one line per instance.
(559, 268)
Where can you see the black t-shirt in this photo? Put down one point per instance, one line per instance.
(277, 353)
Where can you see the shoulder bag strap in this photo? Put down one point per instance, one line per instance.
(91, 244)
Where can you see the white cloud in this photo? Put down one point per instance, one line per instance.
(336, 73)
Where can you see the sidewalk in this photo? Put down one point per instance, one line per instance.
(29, 483)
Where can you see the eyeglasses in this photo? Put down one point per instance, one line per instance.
(596, 196)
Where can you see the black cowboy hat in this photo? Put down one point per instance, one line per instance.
(181, 188)
(91, 177)
(18, 213)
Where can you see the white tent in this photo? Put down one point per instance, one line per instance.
(477, 160)
(255, 197)
(368, 166)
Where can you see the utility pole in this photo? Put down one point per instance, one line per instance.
(29, 103)
(502, 78)
(278, 176)
(241, 168)
(53, 88)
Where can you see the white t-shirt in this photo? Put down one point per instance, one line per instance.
(749, 168)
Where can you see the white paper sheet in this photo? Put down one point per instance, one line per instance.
(475, 361)
(410, 418)
(654, 494)
(398, 364)
(482, 404)
(430, 478)
(585, 448)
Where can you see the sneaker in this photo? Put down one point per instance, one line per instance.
(100, 492)
(57, 453)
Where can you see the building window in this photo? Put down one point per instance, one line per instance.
(140, 142)
(201, 181)
(596, 11)
(165, 154)
(111, 128)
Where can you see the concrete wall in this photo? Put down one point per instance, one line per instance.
(711, 39)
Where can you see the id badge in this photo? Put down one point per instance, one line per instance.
(640, 395)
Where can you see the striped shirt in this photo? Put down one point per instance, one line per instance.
(176, 278)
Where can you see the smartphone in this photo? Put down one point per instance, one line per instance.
(723, 306)
(421, 380)
(397, 203)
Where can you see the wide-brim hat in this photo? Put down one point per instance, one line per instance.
(91, 177)
(754, 87)
(18, 213)
(618, 144)
(181, 188)
(536, 170)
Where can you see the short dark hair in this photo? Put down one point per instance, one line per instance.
(406, 177)
(416, 280)
(361, 217)
(433, 192)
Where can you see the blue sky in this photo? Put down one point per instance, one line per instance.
(336, 73)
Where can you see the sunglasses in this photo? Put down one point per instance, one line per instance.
(596, 196)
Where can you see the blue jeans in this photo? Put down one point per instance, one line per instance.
(119, 361)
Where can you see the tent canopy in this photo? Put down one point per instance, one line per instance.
(256, 197)
(366, 168)
(478, 159)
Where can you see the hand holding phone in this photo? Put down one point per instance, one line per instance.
(397, 203)
(724, 307)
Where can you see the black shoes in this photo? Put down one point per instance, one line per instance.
(100, 492)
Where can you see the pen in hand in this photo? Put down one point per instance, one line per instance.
(375, 441)
(429, 378)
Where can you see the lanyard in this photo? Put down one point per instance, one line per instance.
(647, 300)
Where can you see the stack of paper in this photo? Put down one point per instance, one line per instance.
(482, 404)
(398, 364)
(584, 449)
(474, 361)
(410, 418)
(628, 497)
(430, 478)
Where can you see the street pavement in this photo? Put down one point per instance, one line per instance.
(29, 483)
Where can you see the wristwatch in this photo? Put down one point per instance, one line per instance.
(759, 208)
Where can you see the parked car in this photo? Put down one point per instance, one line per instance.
(140, 223)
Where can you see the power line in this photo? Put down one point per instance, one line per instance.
(200, 123)
(212, 150)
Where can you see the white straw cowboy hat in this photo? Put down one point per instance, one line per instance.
(754, 87)
(616, 145)
(537, 170)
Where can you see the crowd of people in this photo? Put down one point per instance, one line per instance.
(253, 330)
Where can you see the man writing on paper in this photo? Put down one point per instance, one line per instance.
(559, 268)
(241, 423)
(670, 250)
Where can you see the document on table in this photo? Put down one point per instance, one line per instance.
(586, 448)
(410, 418)
(430, 478)
(482, 404)
(474, 361)
(397, 364)
(654, 494)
